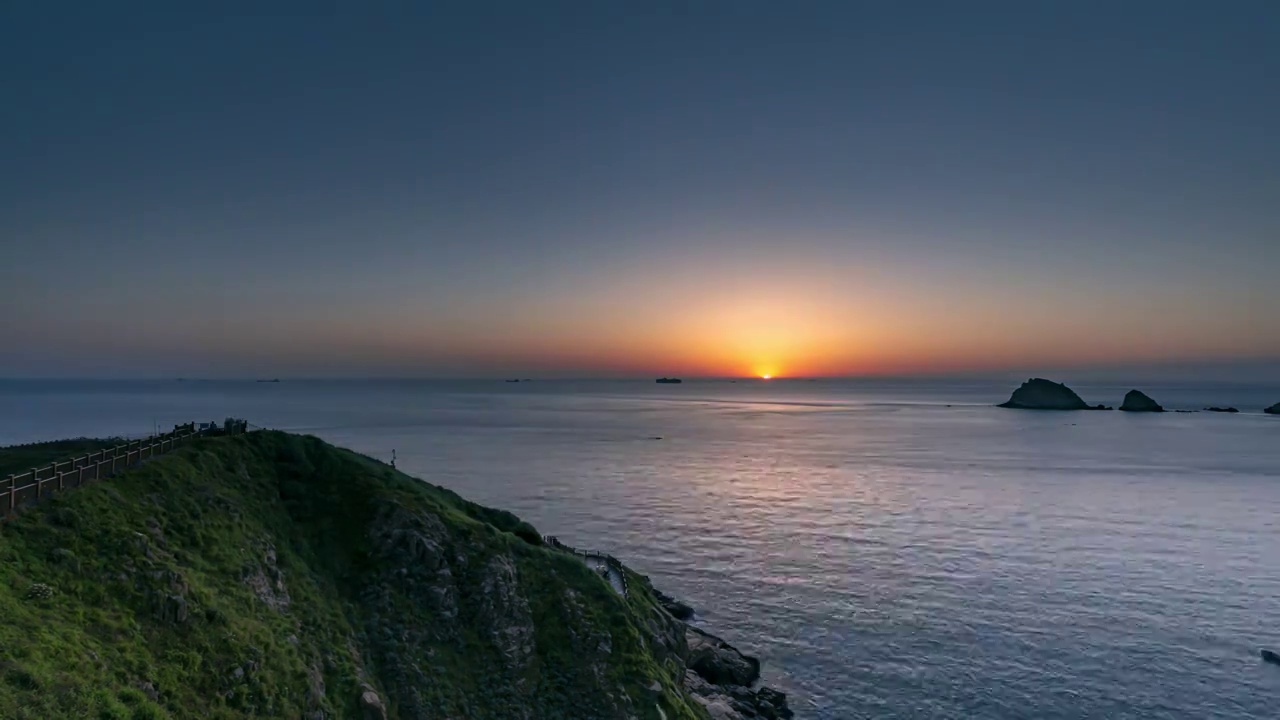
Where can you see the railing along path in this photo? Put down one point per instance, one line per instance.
(39, 482)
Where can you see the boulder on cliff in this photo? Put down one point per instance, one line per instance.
(1041, 394)
(1138, 401)
(1273, 410)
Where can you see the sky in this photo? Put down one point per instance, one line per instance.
(632, 189)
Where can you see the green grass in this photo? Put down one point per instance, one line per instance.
(392, 583)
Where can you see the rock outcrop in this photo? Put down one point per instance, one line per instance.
(371, 705)
(1041, 394)
(678, 610)
(1222, 409)
(1138, 401)
(720, 678)
(719, 662)
(1273, 410)
(736, 702)
(1271, 657)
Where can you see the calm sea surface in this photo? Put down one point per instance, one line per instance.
(890, 550)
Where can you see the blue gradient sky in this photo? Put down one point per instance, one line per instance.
(577, 188)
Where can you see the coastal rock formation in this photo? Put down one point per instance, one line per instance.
(720, 678)
(1138, 401)
(1273, 410)
(1221, 409)
(678, 610)
(1041, 394)
(736, 702)
(1271, 657)
(719, 662)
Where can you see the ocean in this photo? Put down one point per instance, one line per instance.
(889, 549)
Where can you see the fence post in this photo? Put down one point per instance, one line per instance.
(13, 483)
(80, 477)
(60, 481)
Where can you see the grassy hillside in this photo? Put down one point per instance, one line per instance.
(272, 575)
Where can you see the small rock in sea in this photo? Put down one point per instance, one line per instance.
(1138, 401)
(1222, 409)
(656, 437)
(1271, 657)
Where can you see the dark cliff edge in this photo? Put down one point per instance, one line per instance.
(1273, 410)
(1041, 394)
(274, 575)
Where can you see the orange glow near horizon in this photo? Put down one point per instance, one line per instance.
(717, 318)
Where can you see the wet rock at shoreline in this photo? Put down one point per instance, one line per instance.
(720, 678)
(718, 662)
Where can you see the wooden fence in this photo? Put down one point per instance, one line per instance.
(38, 482)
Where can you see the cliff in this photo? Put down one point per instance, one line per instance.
(1273, 410)
(273, 575)
(1041, 394)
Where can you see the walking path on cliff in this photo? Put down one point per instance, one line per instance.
(605, 564)
(601, 565)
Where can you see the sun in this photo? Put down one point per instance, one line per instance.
(766, 376)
